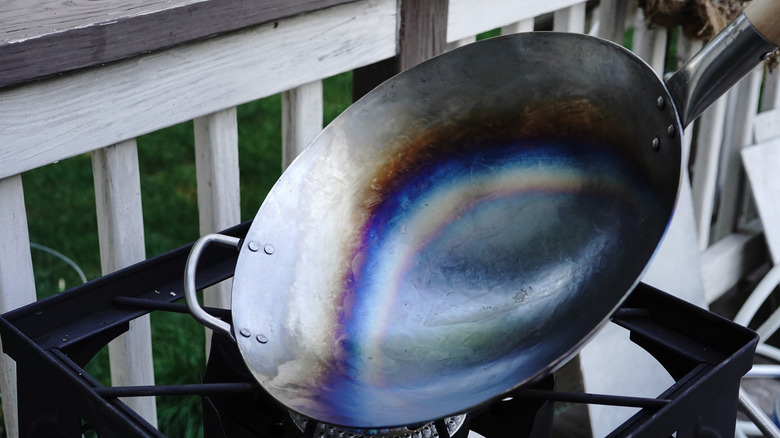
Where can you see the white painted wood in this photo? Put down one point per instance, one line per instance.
(17, 284)
(468, 17)
(611, 20)
(762, 164)
(301, 119)
(219, 201)
(727, 261)
(649, 43)
(705, 176)
(771, 94)
(460, 43)
(767, 125)
(25, 19)
(570, 19)
(739, 134)
(121, 236)
(59, 118)
(518, 27)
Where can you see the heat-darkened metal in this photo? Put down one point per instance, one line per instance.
(432, 239)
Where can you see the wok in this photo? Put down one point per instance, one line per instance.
(463, 228)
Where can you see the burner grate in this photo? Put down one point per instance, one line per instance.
(53, 339)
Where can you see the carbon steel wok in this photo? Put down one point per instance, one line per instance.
(466, 226)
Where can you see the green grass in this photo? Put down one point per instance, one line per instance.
(60, 205)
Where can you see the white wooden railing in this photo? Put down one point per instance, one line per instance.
(99, 99)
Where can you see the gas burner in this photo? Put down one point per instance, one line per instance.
(51, 340)
(427, 430)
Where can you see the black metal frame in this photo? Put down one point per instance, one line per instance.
(53, 339)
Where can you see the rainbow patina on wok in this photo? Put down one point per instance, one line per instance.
(456, 253)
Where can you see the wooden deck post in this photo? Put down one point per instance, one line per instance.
(17, 284)
(301, 119)
(121, 234)
(219, 201)
(422, 34)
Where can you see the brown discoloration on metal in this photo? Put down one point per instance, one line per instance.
(576, 119)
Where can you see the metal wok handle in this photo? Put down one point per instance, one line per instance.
(190, 290)
(728, 57)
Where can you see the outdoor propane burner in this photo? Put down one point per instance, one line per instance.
(51, 341)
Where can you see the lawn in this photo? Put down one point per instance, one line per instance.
(60, 204)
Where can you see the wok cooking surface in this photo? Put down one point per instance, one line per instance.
(439, 244)
(468, 299)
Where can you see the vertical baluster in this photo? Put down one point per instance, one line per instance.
(649, 43)
(301, 119)
(771, 94)
(612, 20)
(519, 27)
(571, 19)
(738, 135)
(705, 171)
(460, 43)
(767, 123)
(219, 200)
(121, 235)
(17, 284)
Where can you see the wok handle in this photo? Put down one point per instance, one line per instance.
(190, 270)
(729, 56)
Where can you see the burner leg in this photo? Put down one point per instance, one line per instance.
(40, 414)
(311, 427)
(441, 428)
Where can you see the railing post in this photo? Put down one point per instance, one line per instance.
(422, 34)
(706, 163)
(219, 206)
(612, 20)
(738, 136)
(771, 97)
(649, 43)
(17, 284)
(519, 27)
(121, 234)
(301, 119)
(571, 19)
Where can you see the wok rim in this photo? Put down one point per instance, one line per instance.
(248, 346)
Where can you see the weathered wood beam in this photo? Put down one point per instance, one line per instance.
(37, 41)
(117, 182)
(51, 120)
(17, 283)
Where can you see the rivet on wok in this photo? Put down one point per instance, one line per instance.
(670, 130)
(245, 333)
(261, 339)
(660, 102)
(254, 246)
(656, 144)
(268, 249)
